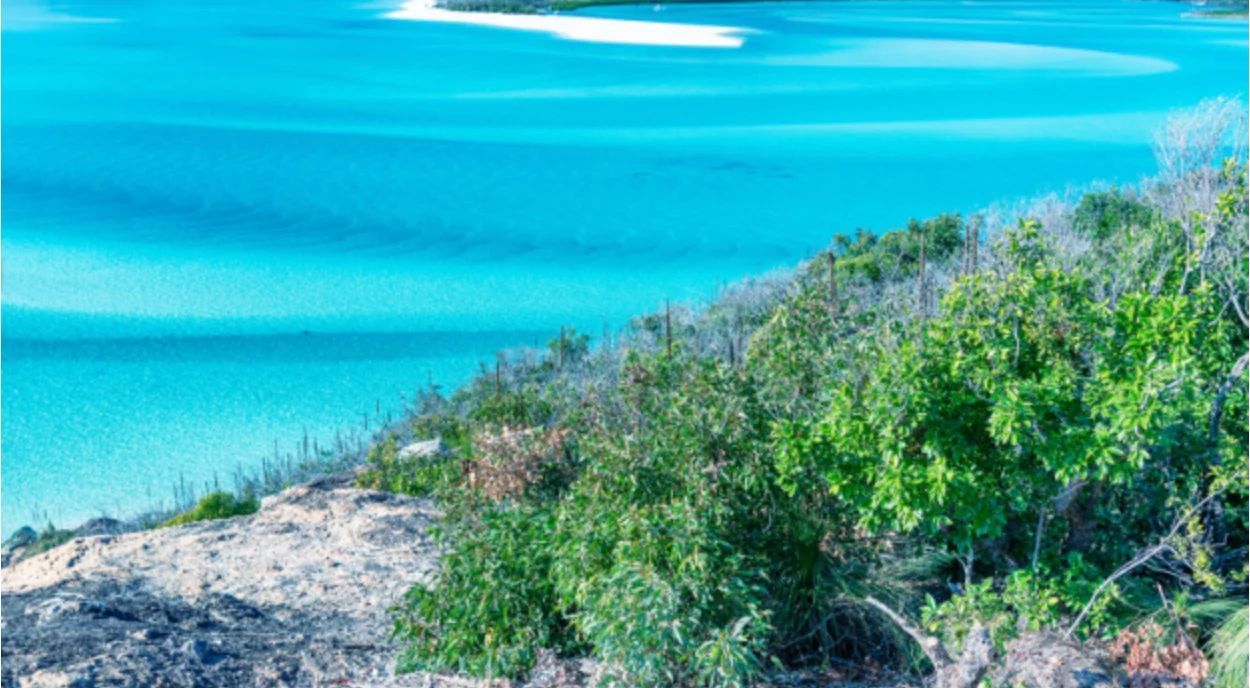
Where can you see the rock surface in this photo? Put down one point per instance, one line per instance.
(1047, 660)
(422, 450)
(293, 595)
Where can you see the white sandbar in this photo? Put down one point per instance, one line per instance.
(592, 29)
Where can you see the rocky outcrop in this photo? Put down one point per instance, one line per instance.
(294, 595)
(1048, 660)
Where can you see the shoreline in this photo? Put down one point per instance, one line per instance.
(586, 29)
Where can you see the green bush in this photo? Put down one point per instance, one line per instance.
(216, 505)
(418, 476)
(1102, 214)
(493, 606)
(1230, 650)
(48, 538)
(690, 515)
(672, 555)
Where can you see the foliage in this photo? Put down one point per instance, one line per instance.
(494, 605)
(1103, 214)
(386, 470)
(897, 253)
(48, 538)
(710, 493)
(1229, 649)
(216, 505)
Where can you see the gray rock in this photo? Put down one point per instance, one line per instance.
(15, 547)
(294, 595)
(421, 450)
(1047, 660)
(22, 537)
(101, 526)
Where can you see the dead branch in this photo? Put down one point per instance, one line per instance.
(931, 646)
(1142, 556)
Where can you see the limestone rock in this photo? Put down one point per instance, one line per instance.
(293, 595)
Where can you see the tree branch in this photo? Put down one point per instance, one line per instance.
(1217, 408)
(932, 647)
(1140, 558)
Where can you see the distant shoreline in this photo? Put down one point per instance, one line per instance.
(1225, 13)
(580, 28)
(1205, 10)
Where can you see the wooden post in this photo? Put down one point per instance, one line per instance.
(923, 297)
(668, 328)
(972, 236)
(560, 350)
(965, 264)
(833, 286)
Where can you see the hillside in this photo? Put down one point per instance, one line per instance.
(1007, 447)
(1024, 422)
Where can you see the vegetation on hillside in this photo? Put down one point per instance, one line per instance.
(1039, 424)
(215, 505)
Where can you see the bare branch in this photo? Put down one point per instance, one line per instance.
(1140, 558)
(931, 646)
(1217, 408)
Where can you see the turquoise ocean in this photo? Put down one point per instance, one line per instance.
(226, 223)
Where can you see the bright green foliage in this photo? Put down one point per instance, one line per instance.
(674, 556)
(418, 476)
(1024, 600)
(1230, 650)
(1025, 384)
(710, 511)
(494, 604)
(659, 540)
(216, 505)
(897, 253)
(964, 422)
(1102, 214)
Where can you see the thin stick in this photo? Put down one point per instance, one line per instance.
(1140, 558)
(930, 645)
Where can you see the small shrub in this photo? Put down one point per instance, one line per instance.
(1229, 649)
(50, 537)
(493, 606)
(418, 476)
(1150, 660)
(216, 505)
(1102, 214)
(511, 461)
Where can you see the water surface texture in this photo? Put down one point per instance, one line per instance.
(226, 221)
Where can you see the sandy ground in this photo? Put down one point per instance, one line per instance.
(578, 28)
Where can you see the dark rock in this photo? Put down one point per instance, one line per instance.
(127, 636)
(101, 526)
(15, 547)
(22, 537)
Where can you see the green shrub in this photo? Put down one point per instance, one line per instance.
(216, 505)
(49, 537)
(417, 476)
(493, 606)
(1101, 214)
(1229, 650)
(670, 552)
(689, 515)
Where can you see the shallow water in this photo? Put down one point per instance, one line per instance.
(226, 222)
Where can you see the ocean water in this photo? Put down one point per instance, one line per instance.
(227, 223)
